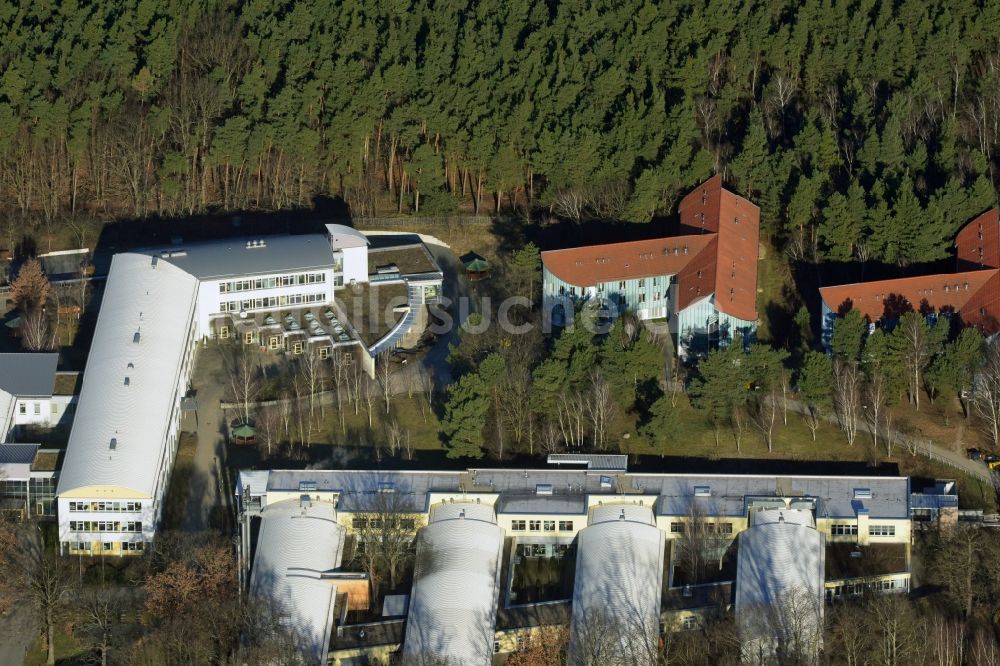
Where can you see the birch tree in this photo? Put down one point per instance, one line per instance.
(847, 396)
(986, 392)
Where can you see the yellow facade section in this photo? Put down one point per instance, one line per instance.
(97, 548)
(376, 654)
(105, 492)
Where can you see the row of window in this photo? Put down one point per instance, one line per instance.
(852, 589)
(705, 528)
(844, 530)
(848, 529)
(274, 342)
(271, 282)
(103, 526)
(376, 523)
(541, 525)
(269, 302)
(36, 408)
(105, 506)
(545, 549)
(107, 546)
(882, 530)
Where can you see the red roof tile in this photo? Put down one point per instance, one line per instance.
(586, 266)
(956, 291)
(977, 245)
(721, 258)
(973, 294)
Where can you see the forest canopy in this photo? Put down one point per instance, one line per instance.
(865, 130)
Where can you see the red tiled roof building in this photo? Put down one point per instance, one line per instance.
(972, 293)
(703, 284)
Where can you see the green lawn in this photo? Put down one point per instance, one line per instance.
(68, 650)
(414, 415)
(692, 435)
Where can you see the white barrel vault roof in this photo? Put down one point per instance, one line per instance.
(616, 595)
(779, 577)
(453, 603)
(296, 545)
(157, 303)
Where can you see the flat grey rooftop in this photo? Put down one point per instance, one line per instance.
(835, 495)
(28, 375)
(537, 490)
(232, 257)
(548, 504)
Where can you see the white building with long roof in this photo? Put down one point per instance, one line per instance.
(278, 292)
(124, 437)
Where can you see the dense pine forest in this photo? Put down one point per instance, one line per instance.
(865, 130)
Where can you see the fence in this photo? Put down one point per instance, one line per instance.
(409, 221)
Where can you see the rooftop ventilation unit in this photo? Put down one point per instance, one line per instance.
(862, 493)
(305, 501)
(543, 489)
(127, 381)
(135, 338)
(114, 444)
(702, 491)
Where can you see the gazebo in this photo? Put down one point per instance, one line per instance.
(477, 268)
(244, 433)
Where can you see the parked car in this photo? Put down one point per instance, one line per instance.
(991, 461)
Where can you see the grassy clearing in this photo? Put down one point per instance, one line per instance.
(692, 435)
(414, 416)
(777, 300)
(68, 649)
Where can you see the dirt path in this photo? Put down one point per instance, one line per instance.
(17, 631)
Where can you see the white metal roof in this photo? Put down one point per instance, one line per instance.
(343, 237)
(153, 305)
(779, 578)
(296, 546)
(616, 595)
(453, 602)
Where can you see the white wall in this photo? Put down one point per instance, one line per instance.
(50, 410)
(209, 298)
(355, 264)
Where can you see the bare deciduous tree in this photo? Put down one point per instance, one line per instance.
(385, 370)
(764, 408)
(600, 408)
(384, 536)
(570, 202)
(41, 577)
(986, 392)
(100, 612)
(847, 396)
(241, 364)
